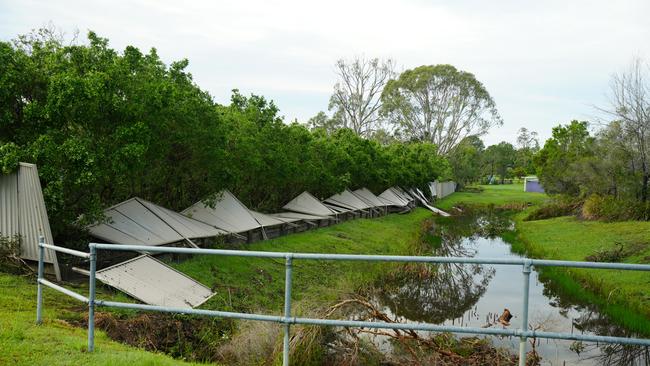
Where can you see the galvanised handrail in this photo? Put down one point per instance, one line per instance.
(288, 320)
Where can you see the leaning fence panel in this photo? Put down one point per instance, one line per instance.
(287, 320)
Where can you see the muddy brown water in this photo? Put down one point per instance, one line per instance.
(475, 295)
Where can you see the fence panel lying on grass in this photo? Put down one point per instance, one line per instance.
(523, 333)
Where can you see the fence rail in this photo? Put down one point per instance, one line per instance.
(287, 320)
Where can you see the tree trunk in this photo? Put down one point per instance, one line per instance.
(644, 188)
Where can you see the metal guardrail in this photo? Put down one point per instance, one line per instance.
(523, 333)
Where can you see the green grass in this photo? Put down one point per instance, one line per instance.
(244, 284)
(252, 284)
(624, 295)
(56, 341)
(498, 195)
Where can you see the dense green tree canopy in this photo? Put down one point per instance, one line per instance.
(104, 126)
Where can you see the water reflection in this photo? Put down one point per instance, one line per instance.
(470, 295)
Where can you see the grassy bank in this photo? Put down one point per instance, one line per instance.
(246, 284)
(57, 341)
(623, 295)
(242, 284)
(257, 284)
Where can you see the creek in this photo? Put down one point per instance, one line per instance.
(476, 295)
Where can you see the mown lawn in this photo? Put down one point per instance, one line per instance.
(56, 341)
(503, 194)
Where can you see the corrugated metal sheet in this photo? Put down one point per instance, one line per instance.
(228, 214)
(415, 193)
(421, 194)
(308, 204)
(386, 202)
(339, 208)
(155, 283)
(296, 216)
(347, 199)
(369, 197)
(402, 193)
(267, 220)
(137, 221)
(23, 212)
(395, 200)
(9, 205)
(442, 189)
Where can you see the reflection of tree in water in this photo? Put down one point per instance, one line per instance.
(592, 321)
(436, 293)
(611, 354)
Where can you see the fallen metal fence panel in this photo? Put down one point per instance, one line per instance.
(287, 320)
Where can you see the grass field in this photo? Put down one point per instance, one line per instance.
(505, 194)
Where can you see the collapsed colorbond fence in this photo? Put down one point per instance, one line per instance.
(523, 333)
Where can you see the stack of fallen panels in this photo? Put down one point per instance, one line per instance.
(377, 205)
(304, 221)
(275, 226)
(394, 201)
(307, 204)
(347, 199)
(402, 193)
(227, 213)
(140, 222)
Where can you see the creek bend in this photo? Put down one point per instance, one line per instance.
(476, 295)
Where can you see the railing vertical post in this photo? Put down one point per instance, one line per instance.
(287, 309)
(91, 298)
(39, 286)
(524, 312)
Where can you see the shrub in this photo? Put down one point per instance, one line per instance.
(473, 189)
(608, 208)
(557, 206)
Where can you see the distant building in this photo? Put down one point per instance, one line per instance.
(531, 184)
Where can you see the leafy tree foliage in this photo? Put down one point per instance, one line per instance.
(439, 104)
(104, 126)
(528, 147)
(499, 160)
(321, 121)
(466, 160)
(557, 161)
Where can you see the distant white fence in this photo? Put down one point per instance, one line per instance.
(442, 189)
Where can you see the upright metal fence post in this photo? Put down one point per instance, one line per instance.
(287, 309)
(524, 312)
(91, 298)
(39, 286)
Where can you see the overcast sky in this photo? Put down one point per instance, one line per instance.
(544, 62)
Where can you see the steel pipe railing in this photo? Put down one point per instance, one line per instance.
(287, 320)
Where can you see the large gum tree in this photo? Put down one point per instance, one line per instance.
(439, 104)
